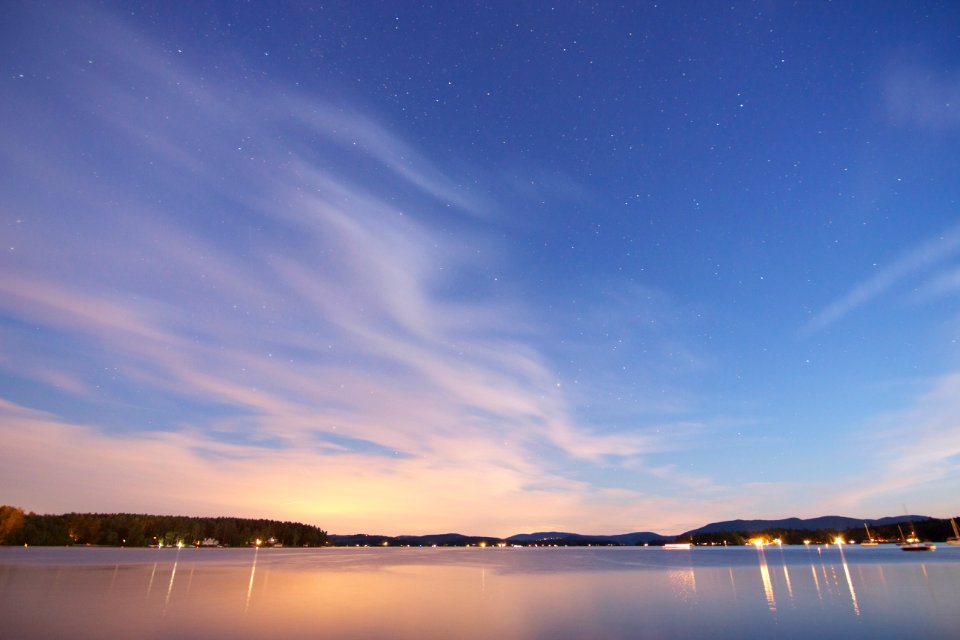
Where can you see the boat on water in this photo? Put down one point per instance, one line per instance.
(913, 543)
(956, 534)
(869, 542)
(676, 546)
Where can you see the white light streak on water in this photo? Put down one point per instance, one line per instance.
(767, 584)
(113, 578)
(733, 583)
(152, 574)
(173, 574)
(786, 575)
(430, 594)
(846, 571)
(684, 584)
(253, 572)
(816, 583)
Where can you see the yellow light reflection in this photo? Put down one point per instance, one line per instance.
(152, 574)
(816, 583)
(684, 583)
(253, 571)
(853, 594)
(173, 574)
(786, 572)
(765, 578)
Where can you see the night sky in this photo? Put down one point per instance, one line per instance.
(396, 267)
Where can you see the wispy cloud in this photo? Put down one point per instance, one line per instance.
(913, 263)
(916, 455)
(945, 283)
(301, 315)
(922, 96)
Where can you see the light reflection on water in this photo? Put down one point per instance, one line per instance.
(479, 593)
(767, 583)
(846, 573)
(253, 572)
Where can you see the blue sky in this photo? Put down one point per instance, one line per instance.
(488, 268)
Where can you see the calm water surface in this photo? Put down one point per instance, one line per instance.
(793, 592)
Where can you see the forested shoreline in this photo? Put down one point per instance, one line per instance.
(926, 529)
(18, 527)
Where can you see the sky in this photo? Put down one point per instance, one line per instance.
(485, 267)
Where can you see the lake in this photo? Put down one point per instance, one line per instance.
(626, 592)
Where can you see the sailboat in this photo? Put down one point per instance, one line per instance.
(956, 534)
(869, 542)
(913, 543)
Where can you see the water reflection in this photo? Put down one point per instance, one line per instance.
(153, 573)
(846, 572)
(786, 574)
(767, 583)
(733, 583)
(427, 595)
(684, 582)
(253, 572)
(173, 575)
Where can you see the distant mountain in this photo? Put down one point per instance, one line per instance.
(639, 537)
(445, 540)
(361, 539)
(438, 539)
(540, 536)
(460, 540)
(560, 537)
(565, 538)
(833, 523)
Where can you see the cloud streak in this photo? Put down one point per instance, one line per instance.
(915, 455)
(915, 262)
(921, 96)
(302, 319)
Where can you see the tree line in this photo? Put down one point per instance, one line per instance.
(18, 527)
(929, 529)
